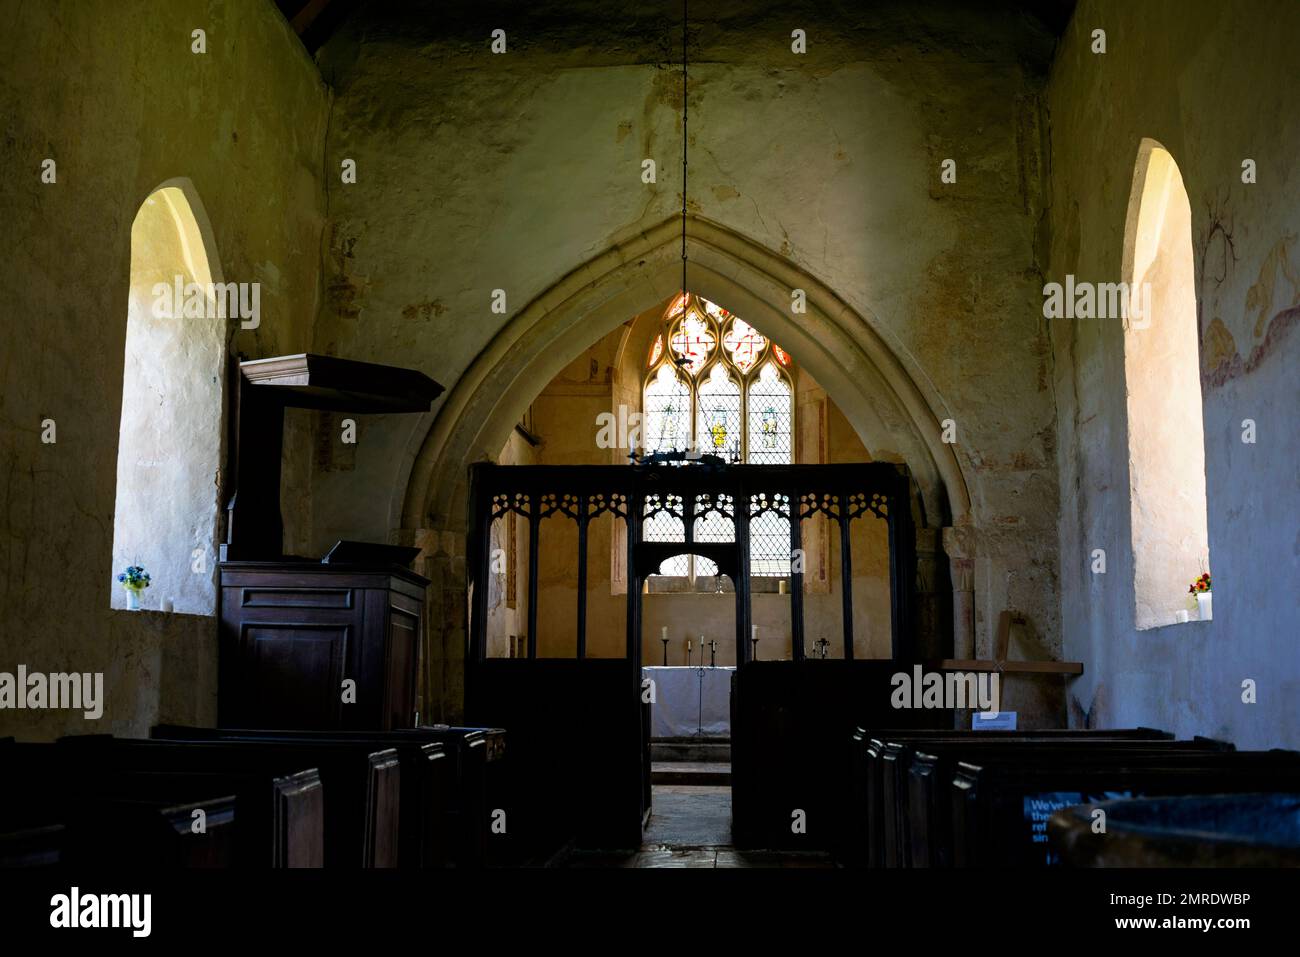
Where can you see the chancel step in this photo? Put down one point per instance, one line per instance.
(691, 749)
(700, 773)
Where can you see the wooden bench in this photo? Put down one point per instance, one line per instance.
(873, 819)
(427, 780)
(32, 846)
(922, 826)
(106, 813)
(992, 794)
(450, 799)
(360, 784)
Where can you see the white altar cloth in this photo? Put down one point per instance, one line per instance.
(690, 701)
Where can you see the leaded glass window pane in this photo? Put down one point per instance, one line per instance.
(717, 423)
(769, 546)
(662, 522)
(744, 344)
(666, 422)
(693, 343)
(769, 418)
(714, 310)
(741, 409)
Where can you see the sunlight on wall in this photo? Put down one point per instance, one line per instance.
(169, 447)
(1166, 436)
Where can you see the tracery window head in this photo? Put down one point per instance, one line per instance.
(716, 384)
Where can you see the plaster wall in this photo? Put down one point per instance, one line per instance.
(479, 172)
(113, 94)
(1214, 88)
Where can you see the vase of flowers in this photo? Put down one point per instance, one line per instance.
(1200, 589)
(135, 580)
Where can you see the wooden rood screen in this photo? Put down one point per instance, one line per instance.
(637, 494)
(578, 728)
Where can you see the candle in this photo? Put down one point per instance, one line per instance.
(167, 604)
(755, 634)
(664, 633)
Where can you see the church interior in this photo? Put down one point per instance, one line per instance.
(650, 435)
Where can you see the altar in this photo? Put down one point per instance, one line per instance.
(690, 701)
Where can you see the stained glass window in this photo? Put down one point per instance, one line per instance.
(692, 343)
(666, 412)
(744, 344)
(769, 418)
(714, 310)
(717, 422)
(736, 402)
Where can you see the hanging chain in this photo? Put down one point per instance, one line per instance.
(685, 112)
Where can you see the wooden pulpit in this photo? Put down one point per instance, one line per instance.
(313, 644)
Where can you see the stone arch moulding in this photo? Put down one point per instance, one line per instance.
(843, 349)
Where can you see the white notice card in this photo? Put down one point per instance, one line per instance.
(993, 721)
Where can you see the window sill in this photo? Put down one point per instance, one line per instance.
(157, 614)
(1166, 626)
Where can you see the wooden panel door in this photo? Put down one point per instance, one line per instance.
(293, 674)
(402, 662)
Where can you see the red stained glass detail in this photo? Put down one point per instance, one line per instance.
(693, 341)
(716, 311)
(678, 304)
(745, 344)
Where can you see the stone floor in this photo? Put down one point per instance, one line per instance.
(691, 827)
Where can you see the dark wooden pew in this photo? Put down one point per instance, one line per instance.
(428, 780)
(991, 795)
(1190, 830)
(453, 802)
(108, 814)
(872, 816)
(588, 795)
(923, 773)
(33, 846)
(793, 756)
(358, 797)
(147, 828)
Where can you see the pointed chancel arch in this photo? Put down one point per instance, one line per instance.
(173, 387)
(1166, 433)
(844, 350)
